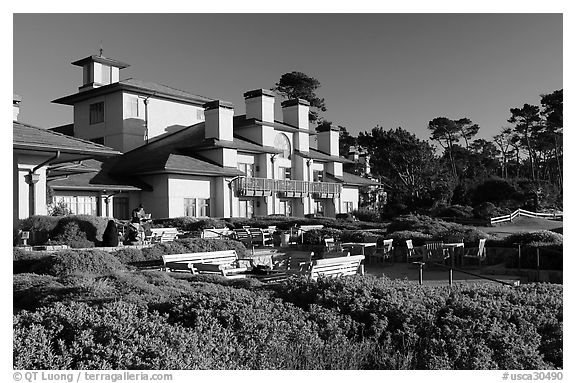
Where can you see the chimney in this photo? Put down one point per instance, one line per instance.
(295, 113)
(260, 104)
(219, 117)
(16, 100)
(329, 139)
(99, 71)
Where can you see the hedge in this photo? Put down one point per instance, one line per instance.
(77, 228)
(158, 322)
(69, 262)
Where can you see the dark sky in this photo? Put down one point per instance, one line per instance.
(387, 69)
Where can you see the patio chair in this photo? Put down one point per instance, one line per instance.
(475, 253)
(414, 254)
(383, 254)
(331, 245)
(435, 253)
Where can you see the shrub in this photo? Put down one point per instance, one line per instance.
(24, 261)
(366, 215)
(400, 237)
(535, 238)
(487, 210)
(193, 245)
(40, 227)
(129, 255)
(454, 211)
(69, 262)
(494, 190)
(110, 236)
(70, 234)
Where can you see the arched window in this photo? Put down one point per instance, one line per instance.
(283, 143)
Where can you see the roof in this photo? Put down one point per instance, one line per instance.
(316, 154)
(241, 122)
(101, 60)
(90, 175)
(172, 153)
(136, 86)
(28, 137)
(351, 179)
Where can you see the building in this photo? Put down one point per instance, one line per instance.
(188, 155)
(34, 151)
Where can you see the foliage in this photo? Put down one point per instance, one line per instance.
(454, 211)
(299, 85)
(187, 245)
(69, 262)
(58, 209)
(70, 234)
(190, 223)
(110, 236)
(400, 237)
(39, 226)
(487, 210)
(366, 215)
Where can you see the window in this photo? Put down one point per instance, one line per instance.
(96, 113)
(283, 143)
(248, 169)
(106, 75)
(317, 175)
(98, 140)
(246, 208)
(284, 173)
(204, 207)
(348, 207)
(286, 207)
(120, 207)
(190, 207)
(200, 114)
(79, 204)
(197, 207)
(319, 207)
(132, 107)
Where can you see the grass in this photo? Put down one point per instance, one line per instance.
(523, 224)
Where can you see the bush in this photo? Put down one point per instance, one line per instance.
(190, 223)
(454, 211)
(40, 227)
(400, 237)
(193, 245)
(70, 234)
(366, 215)
(487, 210)
(70, 262)
(129, 255)
(495, 190)
(535, 238)
(93, 227)
(110, 236)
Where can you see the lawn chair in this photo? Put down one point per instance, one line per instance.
(476, 253)
(435, 253)
(414, 254)
(383, 254)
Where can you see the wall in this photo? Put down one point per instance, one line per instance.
(156, 201)
(111, 128)
(180, 187)
(164, 115)
(349, 194)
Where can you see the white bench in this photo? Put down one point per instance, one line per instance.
(260, 236)
(223, 263)
(216, 233)
(336, 267)
(163, 234)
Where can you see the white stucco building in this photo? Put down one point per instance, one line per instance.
(188, 155)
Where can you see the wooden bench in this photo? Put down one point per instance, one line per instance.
(260, 236)
(163, 234)
(243, 235)
(216, 233)
(223, 263)
(336, 267)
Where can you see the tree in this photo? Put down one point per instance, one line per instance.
(504, 140)
(552, 112)
(299, 85)
(467, 129)
(447, 133)
(408, 165)
(528, 122)
(346, 141)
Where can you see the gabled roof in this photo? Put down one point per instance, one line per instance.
(315, 154)
(351, 179)
(91, 175)
(28, 137)
(172, 153)
(136, 86)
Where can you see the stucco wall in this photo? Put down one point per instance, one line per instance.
(349, 194)
(180, 187)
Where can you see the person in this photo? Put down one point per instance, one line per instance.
(138, 214)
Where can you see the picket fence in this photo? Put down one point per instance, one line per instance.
(525, 213)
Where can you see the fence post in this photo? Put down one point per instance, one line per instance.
(420, 274)
(450, 277)
(537, 264)
(519, 256)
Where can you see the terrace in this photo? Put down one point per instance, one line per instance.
(246, 186)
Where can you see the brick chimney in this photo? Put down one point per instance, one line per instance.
(219, 120)
(16, 100)
(295, 113)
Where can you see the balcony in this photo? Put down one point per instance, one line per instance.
(285, 188)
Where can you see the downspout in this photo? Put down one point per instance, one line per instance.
(32, 179)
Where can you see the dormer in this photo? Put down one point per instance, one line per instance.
(99, 71)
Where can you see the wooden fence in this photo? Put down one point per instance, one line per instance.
(525, 213)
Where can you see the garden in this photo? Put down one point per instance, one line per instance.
(86, 308)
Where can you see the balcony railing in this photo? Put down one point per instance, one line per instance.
(290, 188)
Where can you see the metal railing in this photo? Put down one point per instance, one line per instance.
(267, 186)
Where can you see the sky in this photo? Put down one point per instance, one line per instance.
(392, 70)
